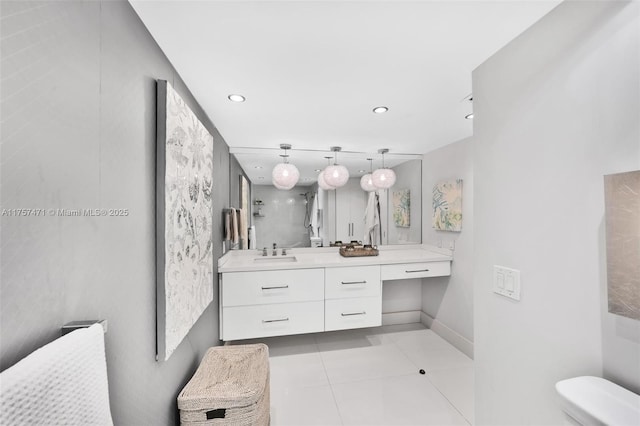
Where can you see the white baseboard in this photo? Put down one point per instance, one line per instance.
(406, 317)
(426, 319)
(460, 342)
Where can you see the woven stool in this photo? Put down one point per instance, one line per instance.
(230, 387)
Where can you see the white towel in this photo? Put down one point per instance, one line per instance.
(227, 225)
(252, 237)
(64, 382)
(372, 220)
(314, 217)
(235, 235)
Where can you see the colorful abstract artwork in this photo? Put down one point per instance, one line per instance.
(447, 205)
(402, 208)
(622, 214)
(184, 219)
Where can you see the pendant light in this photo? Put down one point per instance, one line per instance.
(384, 178)
(336, 175)
(323, 183)
(366, 181)
(284, 175)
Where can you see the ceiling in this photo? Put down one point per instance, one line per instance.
(312, 71)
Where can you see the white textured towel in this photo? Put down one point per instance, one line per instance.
(314, 217)
(372, 220)
(235, 234)
(62, 383)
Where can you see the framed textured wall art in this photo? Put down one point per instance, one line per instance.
(184, 216)
(402, 208)
(447, 205)
(622, 217)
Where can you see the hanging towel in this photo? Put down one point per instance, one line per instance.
(252, 237)
(235, 235)
(64, 382)
(227, 225)
(372, 220)
(315, 232)
(244, 229)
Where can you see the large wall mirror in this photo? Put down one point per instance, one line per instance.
(308, 216)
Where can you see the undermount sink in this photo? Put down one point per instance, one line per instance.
(276, 259)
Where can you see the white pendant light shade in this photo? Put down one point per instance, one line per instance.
(285, 176)
(279, 186)
(336, 175)
(323, 184)
(366, 183)
(384, 178)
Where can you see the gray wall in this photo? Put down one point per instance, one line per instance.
(449, 300)
(78, 131)
(555, 110)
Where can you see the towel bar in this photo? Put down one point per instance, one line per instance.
(74, 325)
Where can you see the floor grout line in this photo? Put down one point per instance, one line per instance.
(333, 394)
(448, 400)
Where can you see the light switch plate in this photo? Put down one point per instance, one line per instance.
(506, 282)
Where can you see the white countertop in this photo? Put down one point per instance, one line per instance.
(252, 260)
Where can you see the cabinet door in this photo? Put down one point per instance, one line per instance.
(352, 281)
(263, 287)
(351, 201)
(343, 214)
(403, 271)
(344, 314)
(278, 319)
(358, 206)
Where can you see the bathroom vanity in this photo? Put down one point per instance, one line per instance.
(314, 290)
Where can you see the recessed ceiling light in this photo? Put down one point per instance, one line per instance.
(380, 109)
(469, 116)
(361, 171)
(317, 170)
(260, 177)
(257, 167)
(236, 98)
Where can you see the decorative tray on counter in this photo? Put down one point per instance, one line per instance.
(358, 250)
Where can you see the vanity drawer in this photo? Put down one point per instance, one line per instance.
(352, 281)
(263, 287)
(246, 322)
(402, 271)
(341, 314)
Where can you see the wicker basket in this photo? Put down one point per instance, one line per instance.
(350, 251)
(230, 387)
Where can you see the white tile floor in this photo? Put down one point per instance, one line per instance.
(369, 377)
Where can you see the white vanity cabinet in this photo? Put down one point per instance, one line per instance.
(271, 303)
(322, 292)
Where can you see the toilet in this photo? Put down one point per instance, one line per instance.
(592, 400)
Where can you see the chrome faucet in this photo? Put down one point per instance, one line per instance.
(275, 250)
(284, 251)
(264, 251)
